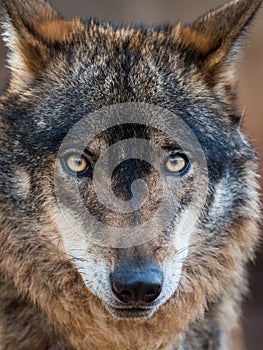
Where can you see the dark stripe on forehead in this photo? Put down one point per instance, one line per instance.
(126, 131)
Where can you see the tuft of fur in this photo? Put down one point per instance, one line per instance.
(61, 71)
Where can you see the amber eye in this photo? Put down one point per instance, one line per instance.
(177, 163)
(76, 163)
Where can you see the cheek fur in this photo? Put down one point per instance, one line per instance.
(22, 182)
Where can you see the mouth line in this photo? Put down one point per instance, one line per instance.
(155, 305)
(134, 307)
(131, 312)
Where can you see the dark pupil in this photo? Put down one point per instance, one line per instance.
(78, 161)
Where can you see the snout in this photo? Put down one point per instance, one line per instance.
(137, 284)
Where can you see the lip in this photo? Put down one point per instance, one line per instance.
(131, 312)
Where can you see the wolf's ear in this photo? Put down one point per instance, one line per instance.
(31, 30)
(214, 41)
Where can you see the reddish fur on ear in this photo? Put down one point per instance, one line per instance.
(213, 42)
(30, 29)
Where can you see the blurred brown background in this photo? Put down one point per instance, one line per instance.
(250, 97)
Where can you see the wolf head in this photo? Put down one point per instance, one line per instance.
(182, 175)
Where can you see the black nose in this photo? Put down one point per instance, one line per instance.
(137, 283)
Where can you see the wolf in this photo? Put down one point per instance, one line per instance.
(140, 247)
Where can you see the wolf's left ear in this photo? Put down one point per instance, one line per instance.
(214, 41)
(31, 30)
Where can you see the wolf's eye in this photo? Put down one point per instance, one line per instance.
(177, 163)
(76, 163)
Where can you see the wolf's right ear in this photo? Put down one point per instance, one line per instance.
(30, 30)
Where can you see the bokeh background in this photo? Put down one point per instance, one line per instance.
(250, 97)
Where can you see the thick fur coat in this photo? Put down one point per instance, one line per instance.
(53, 297)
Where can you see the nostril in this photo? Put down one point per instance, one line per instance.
(152, 294)
(125, 296)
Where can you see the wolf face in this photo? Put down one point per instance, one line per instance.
(132, 241)
(141, 117)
